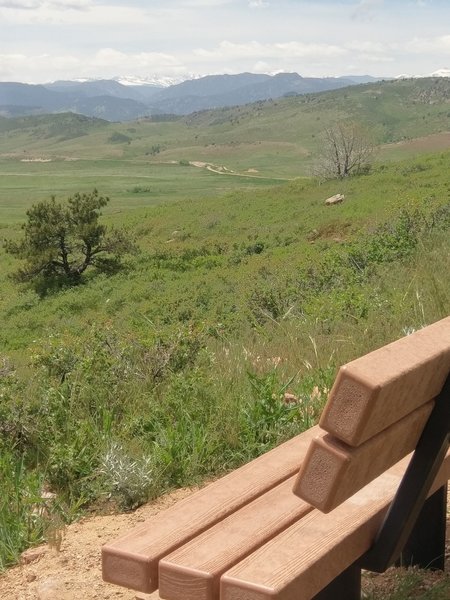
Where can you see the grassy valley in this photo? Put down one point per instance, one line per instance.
(246, 285)
(258, 145)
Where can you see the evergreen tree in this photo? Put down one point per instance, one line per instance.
(61, 241)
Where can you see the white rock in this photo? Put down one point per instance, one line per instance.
(336, 199)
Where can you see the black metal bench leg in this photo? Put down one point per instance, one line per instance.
(425, 547)
(346, 586)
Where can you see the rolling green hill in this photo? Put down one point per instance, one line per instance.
(395, 111)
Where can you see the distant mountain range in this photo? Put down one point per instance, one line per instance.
(125, 100)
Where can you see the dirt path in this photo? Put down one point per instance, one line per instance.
(221, 170)
(74, 573)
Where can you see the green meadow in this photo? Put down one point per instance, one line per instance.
(131, 184)
(246, 285)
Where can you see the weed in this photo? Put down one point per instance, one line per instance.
(129, 481)
(140, 189)
(20, 525)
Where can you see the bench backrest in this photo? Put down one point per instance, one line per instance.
(375, 415)
(246, 536)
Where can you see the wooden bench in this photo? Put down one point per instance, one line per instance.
(360, 501)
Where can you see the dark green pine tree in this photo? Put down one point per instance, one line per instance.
(61, 241)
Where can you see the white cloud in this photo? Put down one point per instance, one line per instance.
(261, 67)
(203, 3)
(155, 61)
(227, 50)
(74, 13)
(49, 39)
(69, 4)
(257, 3)
(28, 66)
(105, 63)
(366, 9)
(375, 58)
(45, 5)
(371, 52)
(19, 4)
(430, 45)
(367, 46)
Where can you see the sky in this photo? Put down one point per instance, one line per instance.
(47, 40)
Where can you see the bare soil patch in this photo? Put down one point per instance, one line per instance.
(74, 573)
(429, 143)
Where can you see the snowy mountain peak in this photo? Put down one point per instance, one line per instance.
(438, 73)
(441, 73)
(154, 80)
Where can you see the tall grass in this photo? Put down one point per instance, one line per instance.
(21, 523)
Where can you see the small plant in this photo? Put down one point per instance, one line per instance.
(140, 189)
(20, 525)
(270, 301)
(269, 417)
(130, 481)
(155, 149)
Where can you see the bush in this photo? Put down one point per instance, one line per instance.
(119, 138)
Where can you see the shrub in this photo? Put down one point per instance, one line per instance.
(129, 481)
(119, 138)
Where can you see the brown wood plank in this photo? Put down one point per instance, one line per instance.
(304, 558)
(193, 571)
(132, 560)
(333, 471)
(378, 389)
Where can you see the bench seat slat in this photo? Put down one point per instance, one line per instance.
(378, 389)
(333, 471)
(303, 559)
(132, 560)
(193, 571)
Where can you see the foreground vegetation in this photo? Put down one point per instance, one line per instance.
(175, 368)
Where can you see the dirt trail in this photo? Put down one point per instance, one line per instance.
(74, 573)
(221, 170)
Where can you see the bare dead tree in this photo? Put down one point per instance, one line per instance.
(346, 149)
